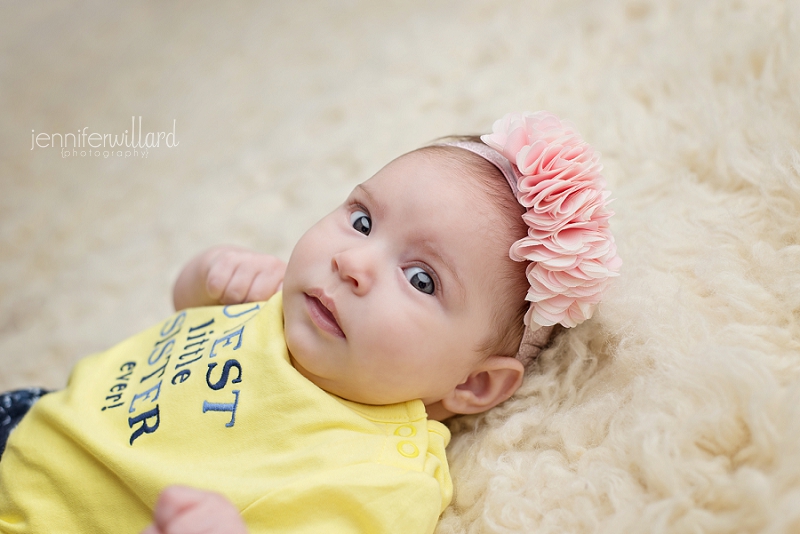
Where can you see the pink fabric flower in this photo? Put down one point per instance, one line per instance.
(569, 244)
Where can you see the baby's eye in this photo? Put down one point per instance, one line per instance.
(419, 279)
(361, 222)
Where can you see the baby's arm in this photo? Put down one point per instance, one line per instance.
(182, 510)
(227, 275)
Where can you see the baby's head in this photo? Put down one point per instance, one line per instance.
(407, 290)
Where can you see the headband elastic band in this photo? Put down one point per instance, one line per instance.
(494, 157)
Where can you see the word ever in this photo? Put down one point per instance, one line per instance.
(120, 386)
(82, 139)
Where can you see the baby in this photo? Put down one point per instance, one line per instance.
(310, 396)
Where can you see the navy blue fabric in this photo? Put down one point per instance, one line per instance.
(13, 406)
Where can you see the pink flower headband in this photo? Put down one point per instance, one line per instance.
(556, 176)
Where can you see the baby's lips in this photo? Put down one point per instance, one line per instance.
(328, 309)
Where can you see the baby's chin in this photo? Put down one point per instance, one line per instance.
(346, 390)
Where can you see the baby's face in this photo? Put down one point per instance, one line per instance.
(388, 298)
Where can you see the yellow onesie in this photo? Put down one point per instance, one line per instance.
(210, 399)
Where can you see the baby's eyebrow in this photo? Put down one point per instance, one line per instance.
(374, 204)
(431, 249)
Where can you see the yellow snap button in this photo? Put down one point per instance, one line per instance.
(407, 449)
(405, 431)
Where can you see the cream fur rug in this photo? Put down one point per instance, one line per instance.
(676, 409)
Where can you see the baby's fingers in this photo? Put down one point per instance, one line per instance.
(239, 284)
(183, 510)
(220, 273)
(264, 285)
(238, 275)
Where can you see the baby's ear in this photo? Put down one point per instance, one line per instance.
(493, 381)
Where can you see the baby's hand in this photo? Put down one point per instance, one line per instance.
(182, 510)
(227, 275)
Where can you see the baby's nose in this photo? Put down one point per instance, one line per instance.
(355, 266)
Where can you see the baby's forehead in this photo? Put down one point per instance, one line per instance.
(440, 155)
(458, 168)
(449, 180)
(435, 195)
(424, 193)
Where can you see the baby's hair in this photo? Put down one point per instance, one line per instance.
(507, 316)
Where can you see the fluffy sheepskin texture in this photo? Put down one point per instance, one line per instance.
(675, 409)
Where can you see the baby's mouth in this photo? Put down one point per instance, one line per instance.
(323, 317)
